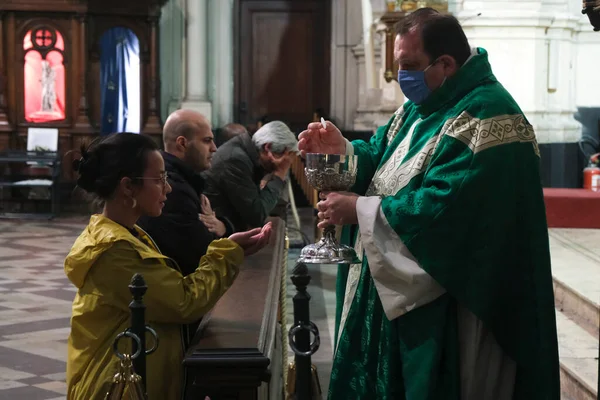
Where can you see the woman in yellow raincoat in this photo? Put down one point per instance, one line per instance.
(126, 172)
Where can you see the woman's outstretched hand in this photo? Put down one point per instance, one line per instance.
(253, 240)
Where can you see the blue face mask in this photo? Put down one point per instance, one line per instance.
(412, 84)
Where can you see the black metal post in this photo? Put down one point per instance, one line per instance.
(138, 288)
(300, 334)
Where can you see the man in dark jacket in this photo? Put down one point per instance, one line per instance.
(228, 132)
(233, 184)
(178, 232)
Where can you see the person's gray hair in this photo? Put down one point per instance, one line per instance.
(278, 135)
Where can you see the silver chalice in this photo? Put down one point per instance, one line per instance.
(331, 173)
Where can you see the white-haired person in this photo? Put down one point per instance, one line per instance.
(233, 184)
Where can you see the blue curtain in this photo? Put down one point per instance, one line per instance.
(120, 81)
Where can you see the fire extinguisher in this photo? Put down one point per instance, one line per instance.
(591, 174)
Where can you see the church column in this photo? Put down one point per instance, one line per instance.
(531, 49)
(346, 32)
(82, 123)
(4, 124)
(377, 101)
(172, 27)
(195, 51)
(153, 124)
(220, 60)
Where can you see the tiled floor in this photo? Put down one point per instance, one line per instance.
(35, 305)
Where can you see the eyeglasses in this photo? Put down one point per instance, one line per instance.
(162, 178)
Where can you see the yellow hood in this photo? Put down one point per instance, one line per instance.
(100, 234)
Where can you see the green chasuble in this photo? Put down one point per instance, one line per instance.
(457, 181)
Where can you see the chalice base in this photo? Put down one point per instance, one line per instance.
(328, 251)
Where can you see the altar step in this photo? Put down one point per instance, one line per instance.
(576, 276)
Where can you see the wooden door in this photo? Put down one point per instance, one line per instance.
(282, 61)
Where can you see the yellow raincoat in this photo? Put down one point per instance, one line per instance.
(101, 263)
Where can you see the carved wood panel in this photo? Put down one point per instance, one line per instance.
(81, 24)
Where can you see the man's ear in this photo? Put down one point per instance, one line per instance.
(449, 63)
(267, 148)
(181, 142)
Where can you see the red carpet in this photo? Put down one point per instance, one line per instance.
(572, 208)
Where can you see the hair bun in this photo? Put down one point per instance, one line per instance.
(87, 169)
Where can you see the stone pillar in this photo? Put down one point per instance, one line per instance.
(195, 51)
(172, 30)
(376, 105)
(220, 60)
(531, 48)
(367, 43)
(345, 34)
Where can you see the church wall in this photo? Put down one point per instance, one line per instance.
(536, 53)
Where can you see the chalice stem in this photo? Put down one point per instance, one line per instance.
(329, 233)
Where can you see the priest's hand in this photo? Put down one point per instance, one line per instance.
(316, 139)
(337, 208)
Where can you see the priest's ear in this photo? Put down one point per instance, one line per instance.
(449, 64)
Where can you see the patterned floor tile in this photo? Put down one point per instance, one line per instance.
(31, 363)
(35, 308)
(28, 392)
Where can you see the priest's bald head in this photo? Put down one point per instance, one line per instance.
(188, 136)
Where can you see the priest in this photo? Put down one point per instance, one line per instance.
(453, 298)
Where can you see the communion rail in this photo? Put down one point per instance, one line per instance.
(237, 352)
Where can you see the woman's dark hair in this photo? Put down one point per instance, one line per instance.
(109, 159)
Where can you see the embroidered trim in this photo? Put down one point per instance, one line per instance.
(481, 134)
(396, 124)
(384, 182)
(397, 172)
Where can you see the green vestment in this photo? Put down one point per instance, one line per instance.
(459, 183)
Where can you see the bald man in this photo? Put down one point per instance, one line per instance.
(187, 224)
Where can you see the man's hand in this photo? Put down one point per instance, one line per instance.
(337, 208)
(209, 219)
(264, 181)
(253, 240)
(213, 224)
(316, 139)
(205, 205)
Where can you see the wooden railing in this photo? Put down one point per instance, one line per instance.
(237, 352)
(297, 170)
